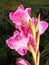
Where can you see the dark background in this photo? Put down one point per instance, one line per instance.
(8, 56)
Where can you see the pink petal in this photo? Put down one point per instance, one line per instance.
(10, 42)
(16, 33)
(20, 16)
(42, 26)
(22, 51)
(19, 42)
(21, 7)
(15, 17)
(34, 20)
(28, 10)
(21, 61)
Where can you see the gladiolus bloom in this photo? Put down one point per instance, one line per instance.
(20, 40)
(42, 25)
(21, 61)
(20, 16)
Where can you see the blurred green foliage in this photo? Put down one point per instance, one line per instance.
(8, 56)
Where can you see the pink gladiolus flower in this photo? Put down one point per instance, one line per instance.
(21, 61)
(42, 25)
(20, 16)
(18, 42)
